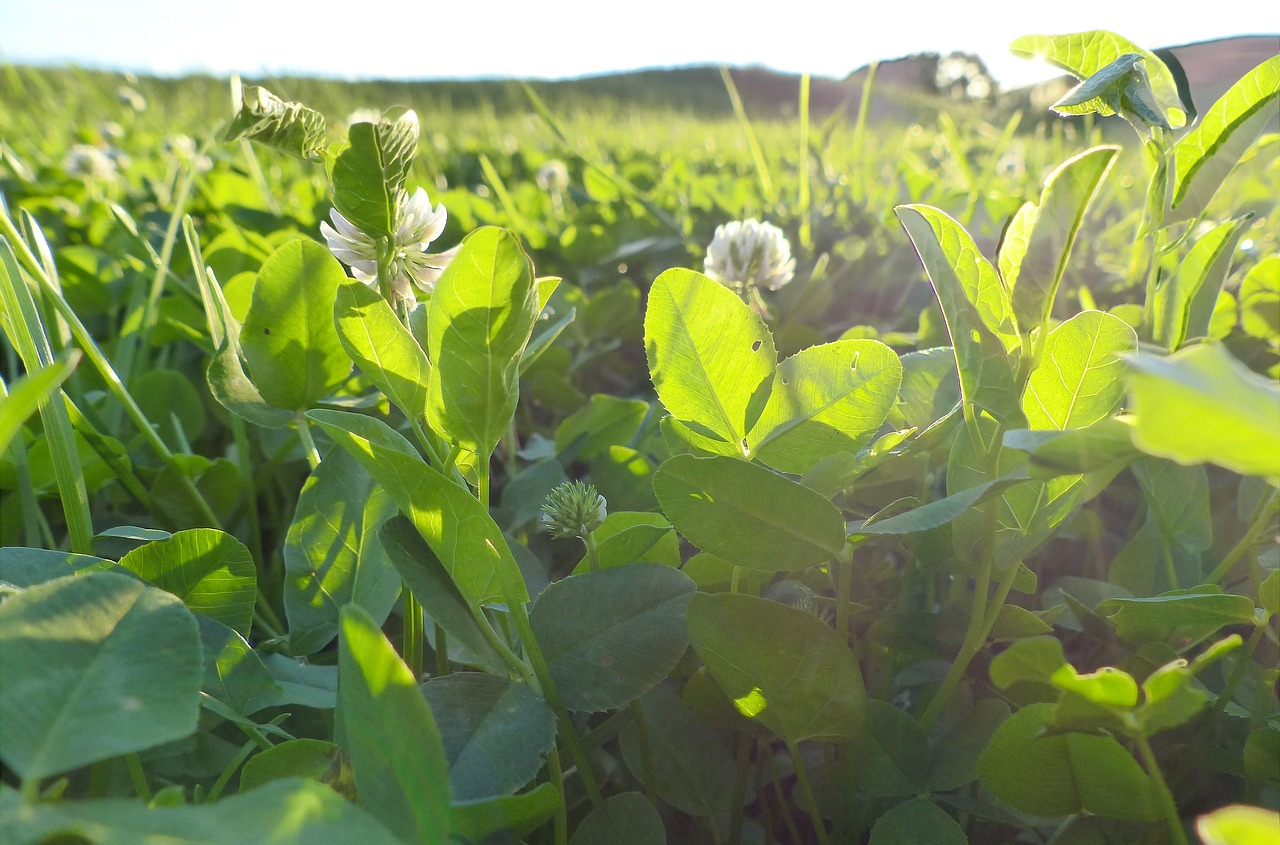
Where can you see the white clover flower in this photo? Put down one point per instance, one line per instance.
(419, 225)
(746, 254)
(89, 161)
(130, 98)
(110, 130)
(553, 175)
(184, 149)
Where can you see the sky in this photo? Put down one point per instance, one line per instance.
(553, 39)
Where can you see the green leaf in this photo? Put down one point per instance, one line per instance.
(1085, 53)
(1200, 404)
(938, 512)
(1107, 687)
(1204, 157)
(1035, 659)
(956, 752)
(211, 571)
(495, 732)
(609, 636)
(289, 341)
(332, 553)
(780, 666)
(710, 356)
(1037, 243)
(692, 764)
(1153, 619)
(303, 684)
(1178, 500)
(26, 394)
(975, 306)
(368, 175)
(748, 515)
(1238, 824)
(476, 821)
(1262, 755)
(1185, 302)
(825, 399)
(452, 521)
(603, 422)
(1079, 382)
(894, 753)
(1061, 774)
(429, 582)
(288, 127)
(297, 758)
(1123, 88)
(1104, 445)
(382, 347)
(916, 821)
(623, 819)
(234, 674)
(478, 322)
(405, 785)
(285, 812)
(626, 537)
(94, 666)
(22, 567)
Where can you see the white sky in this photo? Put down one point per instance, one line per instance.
(566, 38)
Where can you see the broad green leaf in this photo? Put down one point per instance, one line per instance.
(975, 306)
(289, 341)
(1200, 404)
(780, 666)
(452, 521)
(1260, 300)
(930, 388)
(1061, 774)
(1153, 619)
(26, 395)
(428, 580)
(825, 399)
(692, 762)
(1104, 445)
(495, 732)
(1178, 500)
(368, 175)
(957, 749)
(211, 571)
(332, 553)
(1184, 303)
(609, 636)
(748, 515)
(1038, 242)
(231, 386)
(476, 821)
(1121, 87)
(894, 753)
(623, 819)
(1083, 54)
(382, 347)
(1204, 157)
(288, 127)
(297, 758)
(94, 666)
(603, 422)
(1262, 755)
(916, 821)
(626, 537)
(1238, 824)
(1080, 379)
(478, 321)
(234, 674)
(304, 684)
(285, 812)
(22, 567)
(1035, 659)
(710, 356)
(405, 785)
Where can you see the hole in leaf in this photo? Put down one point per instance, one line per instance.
(755, 347)
(266, 330)
(854, 364)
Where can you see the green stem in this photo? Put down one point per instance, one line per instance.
(140, 786)
(562, 811)
(441, 640)
(308, 443)
(1237, 674)
(784, 804)
(593, 554)
(233, 765)
(648, 767)
(806, 791)
(413, 633)
(1259, 520)
(1166, 797)
(743, 765)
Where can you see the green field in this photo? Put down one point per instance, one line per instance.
(924, 449)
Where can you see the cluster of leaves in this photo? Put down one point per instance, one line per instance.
(1002, 572)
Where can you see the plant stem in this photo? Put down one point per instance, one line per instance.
(308, 443)
(648, 767)
(441, 640)
(1166, 797)
(806, 791)
(593, 555)
(562, 812)
(140, 786)
(784, 806)
(413, 633)
(1237, 674)
(1260, 519)
(743, 765)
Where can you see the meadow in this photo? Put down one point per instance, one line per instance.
(496, 463)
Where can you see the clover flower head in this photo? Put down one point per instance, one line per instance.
(418, 224)
(553, 175)
(90, 162)
(130, 98)
(185, 150)
(746, 254)
(573, 509)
